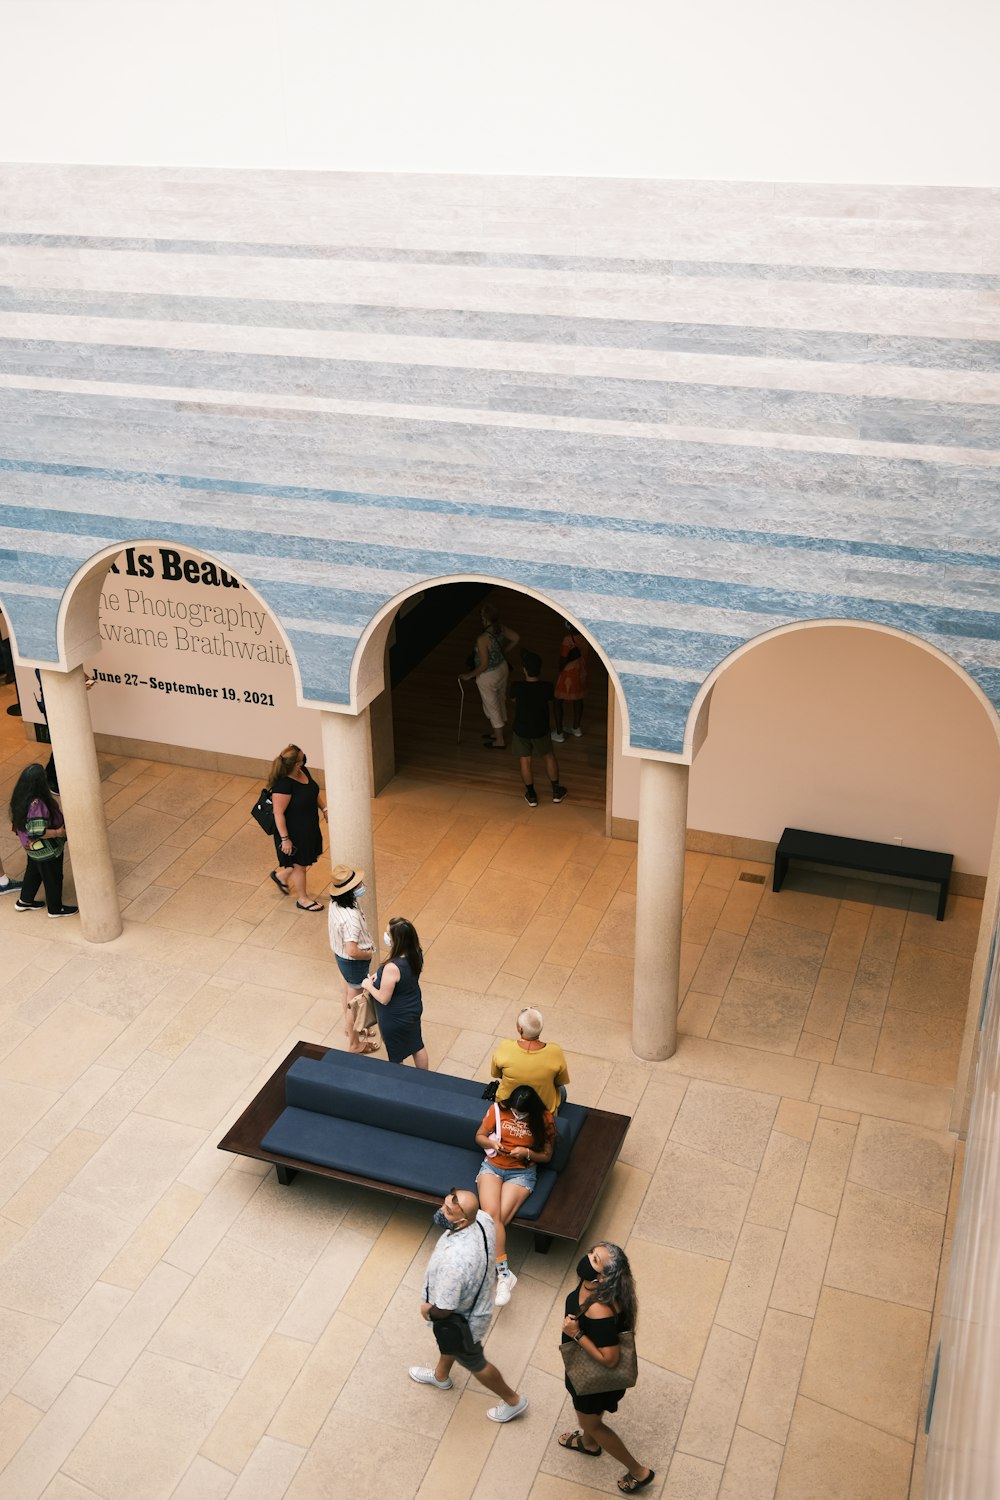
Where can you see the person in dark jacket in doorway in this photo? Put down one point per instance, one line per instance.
(531, 735)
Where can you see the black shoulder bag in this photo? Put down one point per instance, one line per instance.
(262, 812)
(453, 1334)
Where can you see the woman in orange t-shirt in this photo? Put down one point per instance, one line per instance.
(517, 1134)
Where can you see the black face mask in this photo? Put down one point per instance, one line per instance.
(442, 1220)
(585, 1270)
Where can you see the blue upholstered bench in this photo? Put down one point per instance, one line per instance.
(410, 1132)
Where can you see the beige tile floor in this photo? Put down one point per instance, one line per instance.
(174, 1324)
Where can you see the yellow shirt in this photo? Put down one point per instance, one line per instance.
(543, 1070)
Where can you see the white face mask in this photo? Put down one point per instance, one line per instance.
(387, 938)
(518, 1116)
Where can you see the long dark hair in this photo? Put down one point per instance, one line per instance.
(526, 1101)
(406, 944)
(30, 787)
(615, 1286)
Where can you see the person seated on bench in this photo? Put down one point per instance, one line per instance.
(516, 1135)
(540, 1065)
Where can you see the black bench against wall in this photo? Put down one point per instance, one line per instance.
(893, 860)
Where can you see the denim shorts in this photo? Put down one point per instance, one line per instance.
(520, 1176)
(353, 969)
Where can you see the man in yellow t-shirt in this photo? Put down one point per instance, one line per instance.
(541, 1065)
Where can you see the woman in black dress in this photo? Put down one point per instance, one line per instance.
(396, 992)
(601, 1306)
(298, 840)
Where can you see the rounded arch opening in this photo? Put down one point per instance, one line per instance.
(846, 728)
(185, 652)
(429, 732)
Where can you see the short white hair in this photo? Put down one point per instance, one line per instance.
(529, 1023)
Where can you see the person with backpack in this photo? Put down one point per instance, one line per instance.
(36, 818)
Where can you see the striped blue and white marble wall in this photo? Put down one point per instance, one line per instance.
(686, 413)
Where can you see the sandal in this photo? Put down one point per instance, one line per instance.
(574, 1441)
(313, 906)
(628, 1484)
(282, 887)
(371, 1046)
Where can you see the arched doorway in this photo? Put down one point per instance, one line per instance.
(427, 725)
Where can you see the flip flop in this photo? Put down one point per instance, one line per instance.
(282, 887)
(628, 1484)
(574, 1441)
(313, 906)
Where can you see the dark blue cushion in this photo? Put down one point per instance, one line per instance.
(405, 1077)
(386, 1155)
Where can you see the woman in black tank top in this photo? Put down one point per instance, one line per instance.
(600, 1307)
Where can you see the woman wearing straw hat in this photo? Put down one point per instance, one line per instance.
(352, 948)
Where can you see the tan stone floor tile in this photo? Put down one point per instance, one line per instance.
(373, 1286)
(245, 1420)
(721, 871)
(565, 893)
(956, 1188)
(803, 1261)
(137, 1258)
(697, 1014)
(121, 798)
(304, 1409)
(201, 905)
(780, 954)
(268, 1472)
(605, 880)
(722, 1062)
(466, 957)
(532, 945)
(51, 1176)
(479, 855)
(904, 1161)
(680, 1294)
(618, 1206)
(616, 930)
(204, 1481)
(958, 933)
(847, 939)
(227, 1313)
(53, 1440)
(718, 1392)
(498, 1475)
(703, 912)
(203, 1081)
(573, 937)
(696, 1202)
(498, 904)
(255, 1019)
(829, 1002)
(24, 1338)
(692, 1479)
(131, 1084)
(243, 856)
(146, 903)
(122, 1442)
(741, 907)
(829, 1455)
(61, 1047)
(139, 830)
(410, 830)
(600, 985)
(652, 1120)
(751, 1276)
(73, 1240)
(135, 1165)
(800, 909)
(320, 1294)
(206, 1227)
(826, 1167)
(796, 1118)
(856, 1048)
(460, 1007)
(777, 1184)
(728, 1122)
(756, 1014)
(717, 963)
(188, 787)
(866, 1359)
(922, 1048)
(930, 982)
(885, 1247)
(849, 1116)
(17, 1420)
(361, 1455)
(291, 1226)
(545, 985)
(752, 1467)
(191, 1020)
(691, 954)
(774, 1377)
(890, 1098)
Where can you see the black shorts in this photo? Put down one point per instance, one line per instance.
(473, 1362)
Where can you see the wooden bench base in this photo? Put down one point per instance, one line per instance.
(567, 1210)
(858, 854)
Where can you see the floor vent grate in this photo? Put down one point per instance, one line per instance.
(752, 879)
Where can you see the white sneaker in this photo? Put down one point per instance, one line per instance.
(506, 1282)
(577, 732)
(424, 1376)
(505, 1413)
(557, 738)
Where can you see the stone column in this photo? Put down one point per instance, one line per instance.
(663, 788)
(80, 794)
(347, 763)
